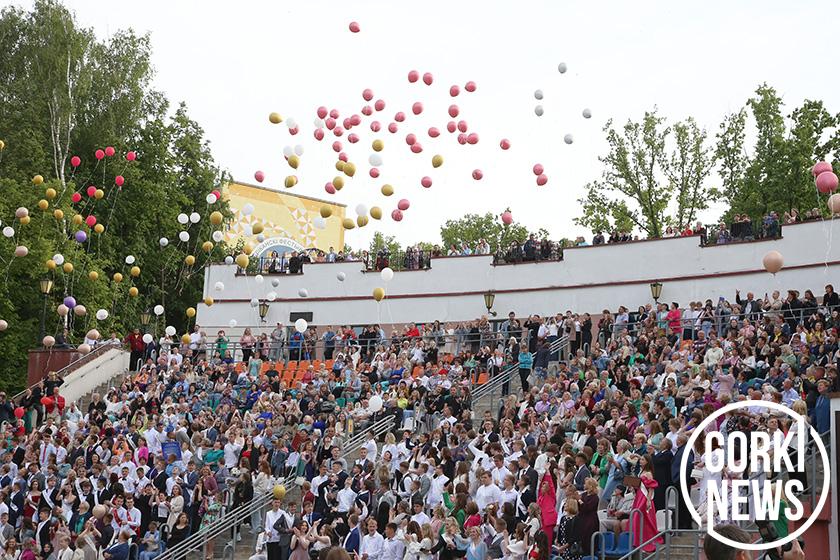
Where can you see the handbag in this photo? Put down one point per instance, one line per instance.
(632, 481)
(696, 474)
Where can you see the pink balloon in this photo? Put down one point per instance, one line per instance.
(453, 111)
(77, 197)
(392, 128)
(367, 94)
(507, 218)
(454, 91)
(820, 167)
(352, 138)
(217, 194)
(375, 126)
(330, 123)
(410, 139)
(397, 216)
(355, 120)
(322, 112)
(294, 131)
(336, 146)
(109, 151)
(427, 78)
(472, 138)
(91, 190)
(416, 148)
(542, 180)
(538, 169)
(462, 126)
(259, 176)
(354, 27)
(477, 174)
(434, 132)
(119, 180)
(99, 154)
(379, 105)
(504, 144)
(374, 172)
(413, 76)
(131, 156)
(450, 126)
(399, 117)
(347, 123)
(75, 161)
(338, 131)
(462, 138)
(403, 204)
(329, 188)
(343, 157)
(319, 134)
(417, 108)
(470, 86)
(90, 221)
(426, 182)
(367, 110)
(334, 114)
(826, 182)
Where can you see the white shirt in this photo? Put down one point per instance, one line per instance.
(499, 475)
(271, 518)
(486, 495)
(372, 546)
(435, 495)
(421, 518)
(346, 497)
(392, 549)
(370, 445)
(232, 454)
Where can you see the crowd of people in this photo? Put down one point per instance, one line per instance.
(590, 445)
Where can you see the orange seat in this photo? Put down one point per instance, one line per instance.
(316, 364)
(482, 378)
(330, 363)
(416, 372)
(304, 364)
(292, 365)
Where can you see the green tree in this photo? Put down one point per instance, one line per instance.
(380, 241)
(474, 227)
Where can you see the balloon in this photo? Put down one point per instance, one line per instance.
(376, 213)
(416, 148)
(322, 112)
(58, 258)
(279, 491)
(352, 138)
(118, 277)
(90, 221)
(542, 179)
(119, 180)
(434, 132)
(21, 212)
(319, 134)
(37, 180)
(378, 145)
(477, 174)
(91, 191)
(417, 108)
(361, 210)
(538, 110)
(259, 176)
(354, 27)
(8, 232)
(67, 268)
(48, 342)
(472, 138)
(507, 218)
(275, 118)
(338, 183)
(375, 403)
(454, 91)
(428, 78)
(538, 169)
(410, 139)
(211, 198)
(147, 338)
(450, 126)
(347, 223)
(504, 144)
(462, 126)
(301, 325)
(367, 94)
(92, 334)
(99, 511)
(362, 221)
(773, 262)
(396, 215)
(319, 223)
(132, 291)
(93, 275)
(62, 310)
(341, 276)
(387, 190)
(349, 169)
(378, 294)
(183, 218)
(568, 139)
(399, 117)
(426, 182)
(131, 156)
(70, 302)
(22, 251)
(562, 68)
(76, 197)
(329, 188)
(75, 161)
(834, 203)
(170, 330)
(109, 151)
(271, 296)
(379, 105)
(3, 325)
(195, 217)
(184, 236)
(387, 274)
(470, 86)
(99, 154)
(303, 293)
(242, 260)
(189, 260)
(403, 204)
(19, 412)
(247, 209)
(392, 127)
(83, 349)
(232, 323)
(185, 338)
(453, 111)
(538, 94)
(190, 312)
(338, 131)
(375, 159)
(826, 182)
(413, 76)
(163, 242)
(820, 167)
(291, 123)
(587, 114)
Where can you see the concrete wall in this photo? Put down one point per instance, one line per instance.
(91, 375)
(588, 279)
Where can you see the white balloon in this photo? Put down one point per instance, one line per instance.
(288, 151)
(247, 230)
(220, 286)
(298, 149)
(375, 159)
(291, 123)
(538, 94)
(587, 114)
(158, 310)
(341, 276)
(184, 236)
(170, 330)
(275, 282)
(247, 209)
(58, 258)
(387, 274)
(147, 338)
(129, 259)
(228, 260)
(218, 236)
(361, 210)
(163, 242)
(562, 68)
(258, 279)
(102, 314)
(195, 217)
(303, 293)
(318, 123)
(255, 302)
(538, 110)
(568, 139)
(183, 218)
(9, 231)
(261, 237)
(232, 323)
(271, 296)
(301, 325)
(319, 223)
(375, 403)
(211, 198)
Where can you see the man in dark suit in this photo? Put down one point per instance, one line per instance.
(525, 498)
(662, 461)
(582, 472)
(42, 532)
(354, 538)
(529, 473)
(684, 520)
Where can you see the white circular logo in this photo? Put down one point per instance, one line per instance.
(760, 441)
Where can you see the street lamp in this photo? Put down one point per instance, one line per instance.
(489, 298)
(145, 319)
(656, 290)
(263, 310)
(46, 288)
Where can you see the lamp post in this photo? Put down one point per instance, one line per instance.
(145, 319)
(46, 288)
(263, 310)
(656, 290)
(489, 298)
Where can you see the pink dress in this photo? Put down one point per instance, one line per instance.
(548, 506)
(644, 526)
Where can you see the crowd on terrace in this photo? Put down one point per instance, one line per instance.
(589, 444)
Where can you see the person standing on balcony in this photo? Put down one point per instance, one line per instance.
(329, 337)
(137, 347)
(278, 341)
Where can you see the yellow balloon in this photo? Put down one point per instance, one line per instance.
(216, 218)
(58, 214)
(275, 118)
(50, 264)
(37, 180)
(387, 190)
(376, 213)
(378, 145)
(93, 275)
(51, 194)
(208, 301)
(326, 211)
(242, 260)
(290, 181)
(135, 271)
(77, 220)
(339, 165)
(118, 277)
(362, 221)
(98, 228)
(437, 160)
(349, 169)
(294, 161)
(338, 182)
(133, 292)
(248, 248)
(279, 491)
(2, 145)
(189, 260)
(378, 294)
(207, 246)
(99, 194)
(185, 339)
(68, 267)
(43, 204)
(190, 311)
(257, 228)
(25, 220)
(348, 223)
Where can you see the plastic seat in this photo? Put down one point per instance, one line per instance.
(329, 363)
(304, 364)
(292, 365)
(622, 545)
(605, 540)
(482, 378)
(340, 401)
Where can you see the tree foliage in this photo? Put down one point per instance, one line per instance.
(472, 228)
(387, 242)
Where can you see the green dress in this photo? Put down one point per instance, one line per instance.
(210, 515)
(601, 462)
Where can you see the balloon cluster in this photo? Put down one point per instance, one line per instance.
(826, 182)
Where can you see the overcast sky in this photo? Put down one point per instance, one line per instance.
(234, 62)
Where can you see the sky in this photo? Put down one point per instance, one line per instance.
(235, 62)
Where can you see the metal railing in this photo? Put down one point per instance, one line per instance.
(72, 366)
(739, 232)
(517, 253)
(410, 259)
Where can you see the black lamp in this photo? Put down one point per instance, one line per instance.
(263, 310)
(656, 290)
(489, 298)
